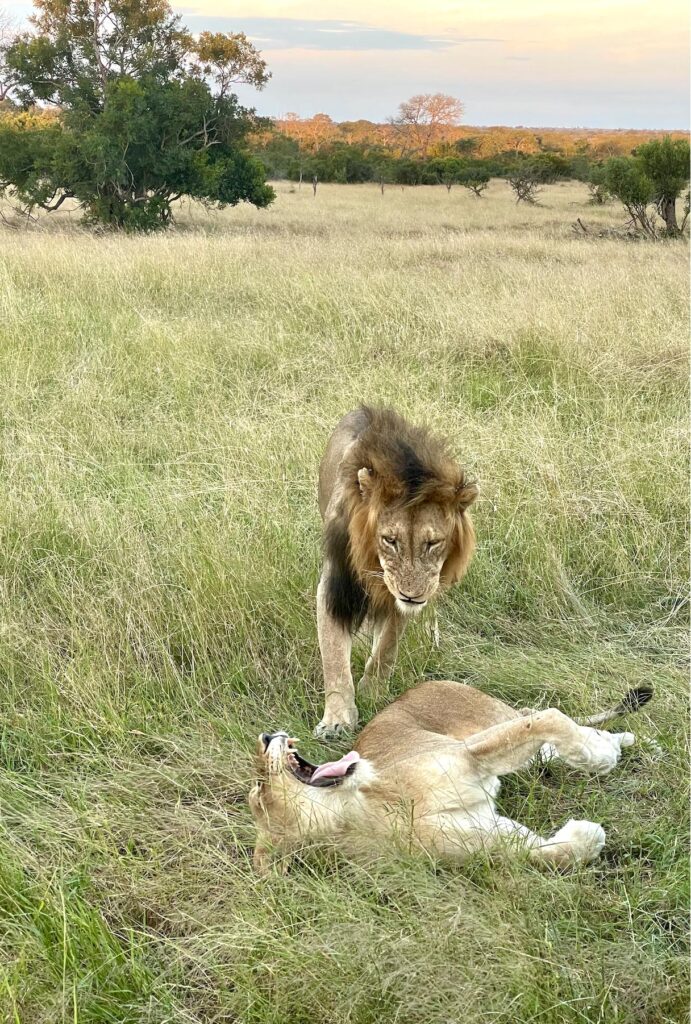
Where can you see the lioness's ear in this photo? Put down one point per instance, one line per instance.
(365, 478)
(466, 493)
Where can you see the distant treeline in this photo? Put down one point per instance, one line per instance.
(354, 164)
(356, 152)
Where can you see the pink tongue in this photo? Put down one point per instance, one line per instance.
(335, 769)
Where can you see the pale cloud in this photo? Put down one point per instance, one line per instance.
(323, 34)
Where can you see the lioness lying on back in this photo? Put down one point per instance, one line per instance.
(425, 773)
(396, 531)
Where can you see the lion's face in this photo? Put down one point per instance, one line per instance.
(407, 538)
(412, 546)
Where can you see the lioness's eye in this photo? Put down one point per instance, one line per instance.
(391, 541)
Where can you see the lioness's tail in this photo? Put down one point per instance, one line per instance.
(633, 701)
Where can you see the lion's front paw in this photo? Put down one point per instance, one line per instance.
(336, 724)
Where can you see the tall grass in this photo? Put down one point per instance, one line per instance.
(165, 402)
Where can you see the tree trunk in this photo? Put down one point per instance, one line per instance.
(668, 212)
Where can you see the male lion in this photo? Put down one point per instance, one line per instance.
(425, 774)
(396, 530)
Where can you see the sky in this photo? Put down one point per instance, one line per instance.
(542, 63)
(561, 63)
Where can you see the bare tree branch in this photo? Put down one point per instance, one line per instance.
(8, 33)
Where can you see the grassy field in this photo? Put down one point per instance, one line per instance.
(165, 402)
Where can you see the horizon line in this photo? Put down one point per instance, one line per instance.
(527, 127)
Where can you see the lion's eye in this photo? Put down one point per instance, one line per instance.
(432, 544)
(390, 541)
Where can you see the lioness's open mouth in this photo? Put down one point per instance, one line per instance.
(331, 773)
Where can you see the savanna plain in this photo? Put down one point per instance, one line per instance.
(165, 402)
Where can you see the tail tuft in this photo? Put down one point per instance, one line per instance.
(636, 698)
(633, 701)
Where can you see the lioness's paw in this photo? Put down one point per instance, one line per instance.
(334, 726)
(581, 841)
(598, 751)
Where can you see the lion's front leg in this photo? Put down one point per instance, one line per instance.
(380, 664)
(455, 836)
(335, 643)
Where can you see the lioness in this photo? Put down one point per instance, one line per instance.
(425, 773)
(396, 530)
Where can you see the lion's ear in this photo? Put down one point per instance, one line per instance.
(365, 479)
(466, 494)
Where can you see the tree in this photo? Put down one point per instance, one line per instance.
(423, 118)
(447, 170)
(650, 181)
(280, 154)
(475, 178)
(687, 209)
(320, 130)
(230, 59)
(528, 175)
(596, 186)
(625, 179)
(466, 147)
(8, 32)
(525, 186)
(140, 126)
(665, 162)
(311, 132)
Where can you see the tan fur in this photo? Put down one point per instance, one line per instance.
(427, 779)
(397, 530)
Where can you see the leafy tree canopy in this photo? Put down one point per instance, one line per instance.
(654, 176)
(147, 113)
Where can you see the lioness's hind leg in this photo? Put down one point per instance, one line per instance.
(506, 747)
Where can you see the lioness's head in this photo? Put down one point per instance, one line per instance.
(276, 754)
(422, 541)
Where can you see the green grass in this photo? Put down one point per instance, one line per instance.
(165, 402)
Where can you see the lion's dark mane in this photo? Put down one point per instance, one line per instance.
(409, 466)
(346, 598)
